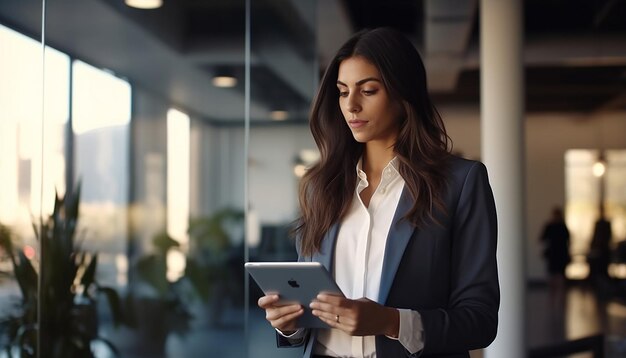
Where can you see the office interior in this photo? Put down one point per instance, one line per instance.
(184, 129)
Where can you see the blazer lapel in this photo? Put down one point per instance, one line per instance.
(327, 250)
(397, 240)
(325, 257)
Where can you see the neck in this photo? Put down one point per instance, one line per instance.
(376, 156)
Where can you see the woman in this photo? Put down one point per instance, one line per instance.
(407, 230)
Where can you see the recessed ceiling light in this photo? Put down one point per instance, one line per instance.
(144, 4)
(279, 115)
(224, 81)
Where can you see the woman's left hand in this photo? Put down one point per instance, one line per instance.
(362, 317)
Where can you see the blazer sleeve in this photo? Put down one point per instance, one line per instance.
(470, 319)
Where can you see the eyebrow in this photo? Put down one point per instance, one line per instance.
(360, 82)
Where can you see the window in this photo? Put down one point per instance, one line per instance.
(178, 159)
(584, 193)
(28, 154)
(101, 110)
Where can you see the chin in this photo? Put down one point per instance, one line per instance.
(360, 138)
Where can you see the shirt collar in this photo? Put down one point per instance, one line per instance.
(393, 166)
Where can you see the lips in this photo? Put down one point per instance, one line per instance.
(356, 123)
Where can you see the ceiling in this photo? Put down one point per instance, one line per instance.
(574, 51)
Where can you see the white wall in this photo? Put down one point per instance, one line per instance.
(218, 168)
(273, 185)
(463, 126)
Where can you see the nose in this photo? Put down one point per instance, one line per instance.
(353, 106)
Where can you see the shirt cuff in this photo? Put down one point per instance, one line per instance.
(295, 336)
(411, 331)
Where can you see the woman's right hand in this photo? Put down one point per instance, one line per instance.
(282, 318)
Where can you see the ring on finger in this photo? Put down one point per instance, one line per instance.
(337, 318)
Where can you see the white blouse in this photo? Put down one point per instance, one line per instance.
(358, 264)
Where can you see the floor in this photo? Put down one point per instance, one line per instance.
(580, 314)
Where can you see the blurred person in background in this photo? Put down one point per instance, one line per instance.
(555, 237)
(599, 255)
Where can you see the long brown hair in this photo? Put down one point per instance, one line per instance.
(422, 146)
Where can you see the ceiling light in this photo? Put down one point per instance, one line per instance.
(299, 170)
(279, 115)
(224, 81)
(144, 4)
(598, 169)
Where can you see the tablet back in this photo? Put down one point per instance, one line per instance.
(295, 282)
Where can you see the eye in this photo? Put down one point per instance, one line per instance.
(369, 92)
(343, 93)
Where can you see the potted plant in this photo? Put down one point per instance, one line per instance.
(215, 262)
(66, 293)
(156, 306)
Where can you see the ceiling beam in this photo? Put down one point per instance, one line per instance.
(448, 26)
(573, 50)
(334, 27)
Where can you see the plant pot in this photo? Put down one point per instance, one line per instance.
(148, 337)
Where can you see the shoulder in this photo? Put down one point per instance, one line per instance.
(467, 181)
(459, 169)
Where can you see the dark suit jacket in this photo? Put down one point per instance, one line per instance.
(447, 271)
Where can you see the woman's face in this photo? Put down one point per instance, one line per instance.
(369, 112)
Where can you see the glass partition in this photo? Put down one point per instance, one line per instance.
(283, 77)
(143, 136)
(31, 162)
(595, 191)
(143, 122)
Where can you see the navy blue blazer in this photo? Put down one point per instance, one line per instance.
(447, 271)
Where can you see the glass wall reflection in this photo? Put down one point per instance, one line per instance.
(25, 158)
(144, 109)
(144, 130)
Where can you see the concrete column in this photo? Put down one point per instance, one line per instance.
(502, 129)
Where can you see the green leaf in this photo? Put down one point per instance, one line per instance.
(73, 204)
(6, 241)
(200, 279)
(26, 277)
(69, 322)
(163, 243)
(152, 270)
(115, 304)
(89, 276)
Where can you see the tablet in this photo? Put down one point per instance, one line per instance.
(295, 282)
